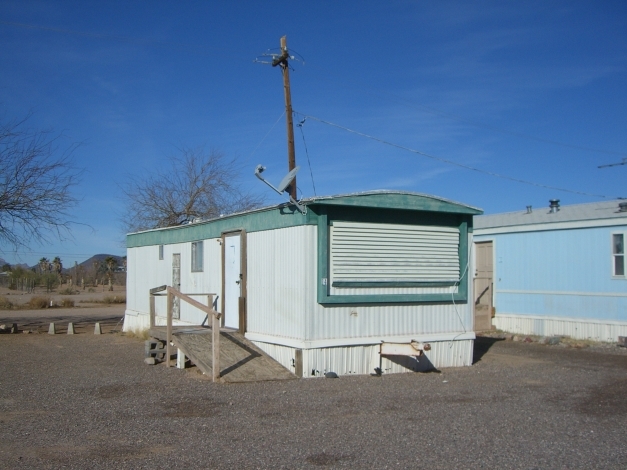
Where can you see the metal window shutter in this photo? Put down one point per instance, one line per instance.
(363, 252)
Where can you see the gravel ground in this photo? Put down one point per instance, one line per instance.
(86, 401)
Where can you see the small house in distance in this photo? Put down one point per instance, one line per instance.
(554, 271)
(321, 291)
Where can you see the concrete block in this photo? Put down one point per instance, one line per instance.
(70, 328)
(97, 329)
(151, 361)
(51, 329)
(180, 359)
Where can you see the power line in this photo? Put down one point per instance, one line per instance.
(265, 136)
(300, 126)
(405, 102)
(450, 162)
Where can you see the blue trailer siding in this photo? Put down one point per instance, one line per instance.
(562, 305)
(558, 273)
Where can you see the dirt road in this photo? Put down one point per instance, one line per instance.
(86, 401)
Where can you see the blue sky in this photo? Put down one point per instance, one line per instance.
(534, 91)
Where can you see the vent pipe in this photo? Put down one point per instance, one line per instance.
(529, 210)
(554, 205)
(622, 207)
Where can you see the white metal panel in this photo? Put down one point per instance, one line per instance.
(281, 272)
(361, 360)
(385, 320)
(284, 355)
(391, 290)
(145, 271)
(389, 252)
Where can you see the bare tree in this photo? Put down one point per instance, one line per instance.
(35, 185)
(196, 185)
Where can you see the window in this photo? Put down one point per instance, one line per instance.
(618, 254)
(367, 254)
(160, 252)
(361, 261)
(197, 256)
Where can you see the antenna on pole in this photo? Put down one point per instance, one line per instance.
(624, 162)
(282, 60)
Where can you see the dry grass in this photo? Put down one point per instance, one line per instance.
(67, 291)
(116, 299)
(5, 304)
(139, 334)
(67, 303)
(39, 303)
(107, 299)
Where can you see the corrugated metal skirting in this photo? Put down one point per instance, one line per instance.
(596, 330)
(361, 360)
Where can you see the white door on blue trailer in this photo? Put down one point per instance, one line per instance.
(232, 279)
(484, 285)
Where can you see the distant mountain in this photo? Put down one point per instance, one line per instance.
(21, 265)
(89, 263)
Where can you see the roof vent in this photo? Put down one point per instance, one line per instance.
(554, 205)
(622, 207)
(529, 210)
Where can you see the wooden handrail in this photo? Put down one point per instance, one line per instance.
(208, 309)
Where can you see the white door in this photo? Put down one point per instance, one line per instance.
(232, 280)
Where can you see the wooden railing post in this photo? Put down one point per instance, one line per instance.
(152, 311)
(215, 340)
(169, 326)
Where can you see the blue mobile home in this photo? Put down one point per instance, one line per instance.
(555, 271)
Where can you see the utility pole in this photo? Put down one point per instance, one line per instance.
(291, 155)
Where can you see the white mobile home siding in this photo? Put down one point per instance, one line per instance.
(292, 307)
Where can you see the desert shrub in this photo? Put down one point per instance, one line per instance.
(5, 304)
(67, 291)
(67, 303)
(91, 289)
(39, 302)
(139, 334)
(117, 299)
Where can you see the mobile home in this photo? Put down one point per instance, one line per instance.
(321, 290)
(554, 271)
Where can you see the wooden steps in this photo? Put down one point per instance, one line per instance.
(240, 359)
